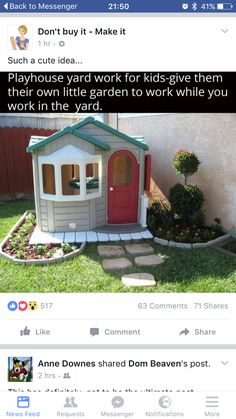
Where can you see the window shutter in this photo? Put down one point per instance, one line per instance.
(147, 178)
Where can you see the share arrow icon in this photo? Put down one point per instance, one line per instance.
(184, 332)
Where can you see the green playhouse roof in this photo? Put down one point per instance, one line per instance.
(37, 142)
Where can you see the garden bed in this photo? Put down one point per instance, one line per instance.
(190, 237)
(16, 247)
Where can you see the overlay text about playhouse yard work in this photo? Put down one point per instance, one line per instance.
(117, 92)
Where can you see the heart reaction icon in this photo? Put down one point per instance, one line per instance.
(22, 305)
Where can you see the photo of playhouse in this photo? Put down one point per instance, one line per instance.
(88, 176)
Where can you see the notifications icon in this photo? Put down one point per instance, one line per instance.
(117, 402)
(94, 331)
(165, 402)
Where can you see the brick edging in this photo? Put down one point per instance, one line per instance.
(171, 243)
(44, 261)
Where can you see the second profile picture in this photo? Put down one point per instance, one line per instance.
(20, 369)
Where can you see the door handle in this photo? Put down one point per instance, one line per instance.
(111, 188)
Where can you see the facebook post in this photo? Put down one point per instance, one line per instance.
(117, 209)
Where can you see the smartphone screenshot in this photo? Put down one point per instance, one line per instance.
(117, 209)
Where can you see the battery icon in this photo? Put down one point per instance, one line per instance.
(224, 6)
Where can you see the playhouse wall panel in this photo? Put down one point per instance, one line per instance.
(37, 199)
(72, 140)
(114, 141)
(66, 213)
(70, 210)
(92, 214)
(51, 223)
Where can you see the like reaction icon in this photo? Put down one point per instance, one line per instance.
(12, 305)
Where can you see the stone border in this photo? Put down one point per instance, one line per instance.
(44, 261)
(221, 248)
(171, 243)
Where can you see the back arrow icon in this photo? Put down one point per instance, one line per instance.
(184, 332)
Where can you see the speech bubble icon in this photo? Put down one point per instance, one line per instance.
(117, 402)
(94, 331)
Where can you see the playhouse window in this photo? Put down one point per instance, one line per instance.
(122, 170)
(92, 178)
(48, 172)
(70, 179)
(70, 174)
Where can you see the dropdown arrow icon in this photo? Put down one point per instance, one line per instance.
(224, 362)
(224, 30)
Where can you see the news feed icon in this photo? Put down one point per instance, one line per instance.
(23, 402)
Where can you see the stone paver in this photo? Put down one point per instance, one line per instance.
(69, 237)
(119, 263)
(103, 237)
(91, 237)
(139, 249)
(136, 236)
(146, 234)
(150, 260)
(108, 251)
(138, 280)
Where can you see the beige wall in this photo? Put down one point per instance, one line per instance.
(212, 137)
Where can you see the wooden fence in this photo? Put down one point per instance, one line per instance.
(15, 163)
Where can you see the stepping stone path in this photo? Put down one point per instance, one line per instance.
(139, 249)
(117, 263)
(114, 259)
(150, 260)
(138, 280)
(109, 251)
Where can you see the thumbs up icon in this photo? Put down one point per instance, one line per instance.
(25, 331)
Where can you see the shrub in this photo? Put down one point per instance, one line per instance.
(66, 247)
(159, 215)
(31, 218)
(20, 254)
(199, 219)
(185, 163)
(185, 200)
(41, 250)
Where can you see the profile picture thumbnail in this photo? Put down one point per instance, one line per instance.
(20, 41)
(20, 369)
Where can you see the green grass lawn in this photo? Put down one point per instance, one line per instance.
(200, 270)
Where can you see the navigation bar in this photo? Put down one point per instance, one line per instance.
(104, 6)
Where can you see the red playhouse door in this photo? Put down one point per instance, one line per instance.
(123, 174)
